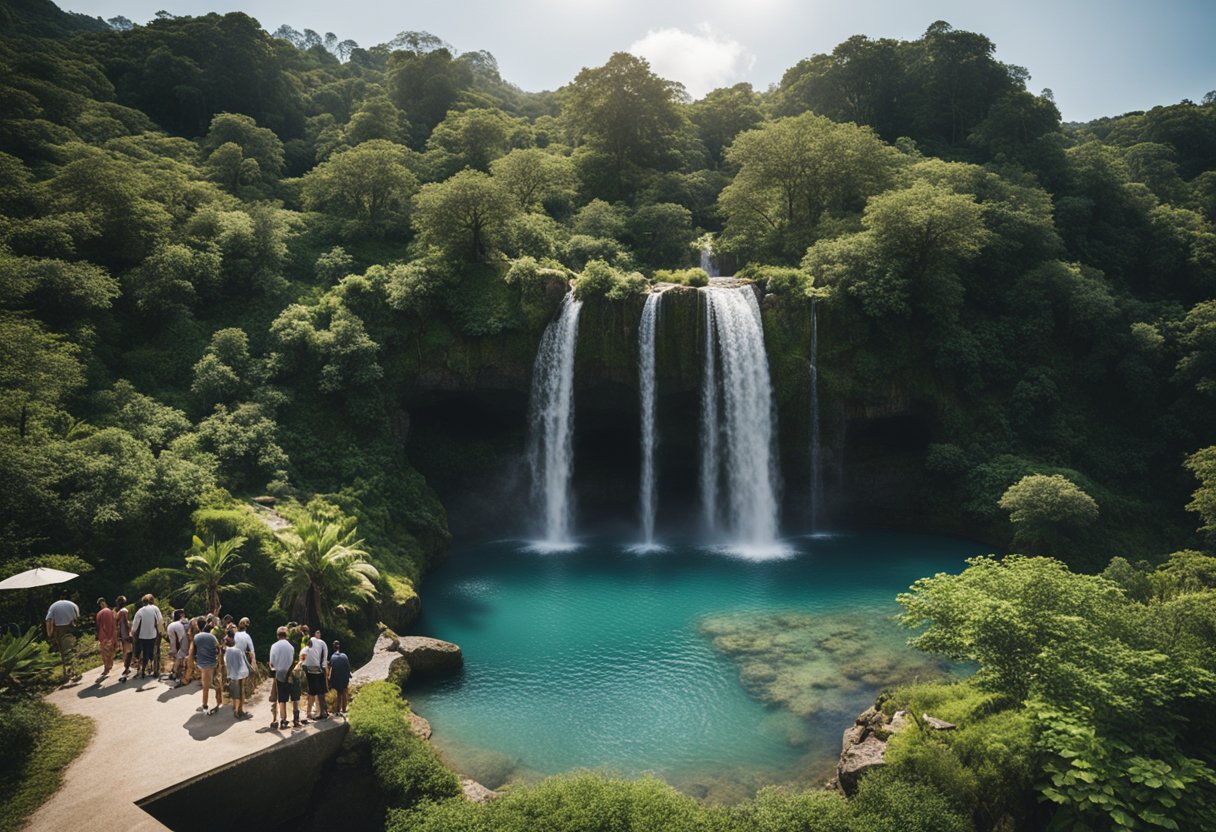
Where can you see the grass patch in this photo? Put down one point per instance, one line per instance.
(59, 740)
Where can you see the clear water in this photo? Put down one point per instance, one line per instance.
(717, 673)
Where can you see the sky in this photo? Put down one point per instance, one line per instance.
(1099, 57)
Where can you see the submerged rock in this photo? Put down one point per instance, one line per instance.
(811, 664)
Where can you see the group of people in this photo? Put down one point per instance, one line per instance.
(218, 651)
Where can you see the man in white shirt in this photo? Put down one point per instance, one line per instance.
(282, 662)
(243, 640)
(61, 632)
(146, 628)
(179, 646)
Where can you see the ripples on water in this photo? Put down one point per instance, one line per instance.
(717, 672)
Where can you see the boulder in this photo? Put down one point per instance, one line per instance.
(429, 655)
(857, 759)
(420, 726)
(386, 663)
(475, 792)
(937, 724)
(864, 746)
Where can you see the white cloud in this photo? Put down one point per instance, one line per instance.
(700, 60)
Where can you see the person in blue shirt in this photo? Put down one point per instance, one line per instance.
(339, 677)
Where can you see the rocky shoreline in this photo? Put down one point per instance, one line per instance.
(864, 745)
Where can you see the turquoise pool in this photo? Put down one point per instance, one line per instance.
(718, 674)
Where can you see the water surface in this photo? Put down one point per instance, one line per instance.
(717, 673)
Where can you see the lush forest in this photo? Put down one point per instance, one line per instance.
(230, 260)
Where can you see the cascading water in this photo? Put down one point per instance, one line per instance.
(646, 383)
(737, 447)
(707, 257)
(551, 434)
(710, 465)
(816, 457)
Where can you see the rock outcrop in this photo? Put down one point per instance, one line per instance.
(865, 745)
(396, 658)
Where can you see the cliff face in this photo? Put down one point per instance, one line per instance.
(469, 406)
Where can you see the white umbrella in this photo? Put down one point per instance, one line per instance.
(38, 576)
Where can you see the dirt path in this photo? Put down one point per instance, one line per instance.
(149, 737)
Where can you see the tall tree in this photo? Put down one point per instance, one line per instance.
(625, 112)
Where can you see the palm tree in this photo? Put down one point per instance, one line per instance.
(324, 570)
(208, 566)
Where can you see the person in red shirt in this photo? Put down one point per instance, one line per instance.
(107, 635)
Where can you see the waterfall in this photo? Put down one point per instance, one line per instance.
(816, 458)
(707, 257)
(709, 426)
(646, 384)
(737, 445)
(551, 433)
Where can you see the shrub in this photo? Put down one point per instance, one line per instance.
(887, 803)
(777, 280)
(774, 810)
(683, 277)
(23, 659)
(580, 802)
(407, 769)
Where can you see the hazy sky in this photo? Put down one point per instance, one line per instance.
(1099, 57)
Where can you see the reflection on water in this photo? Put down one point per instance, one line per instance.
(719, 674)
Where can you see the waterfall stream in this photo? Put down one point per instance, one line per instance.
(646, 383)
(737, 453)
(551, 433)
(816, 456)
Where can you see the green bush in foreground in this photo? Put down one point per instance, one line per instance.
(407, 769)
(39, 743)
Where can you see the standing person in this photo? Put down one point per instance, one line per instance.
(107, 636)
(122, 620)
(299, 684)
(179, 646)
(61, 631)
(191, 632)
(282, 663)
(339, 677)
(205, 652)
(316, 668)
(244, 641)
(237, 662)
(146, 628)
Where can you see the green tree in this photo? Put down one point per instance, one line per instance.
(465, 215)
(1202, 464)
(792, 172)
(223, 374)
(625, 113)
(256, 145)
(210, 568)
(324, 569)
(476, 137)
(376, 118)
(370, 181)
(424, 86)
(722, 115)
(534, 176)
(1044, 508)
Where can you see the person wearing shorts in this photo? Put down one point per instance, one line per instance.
(237, 662)
(282, 665)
